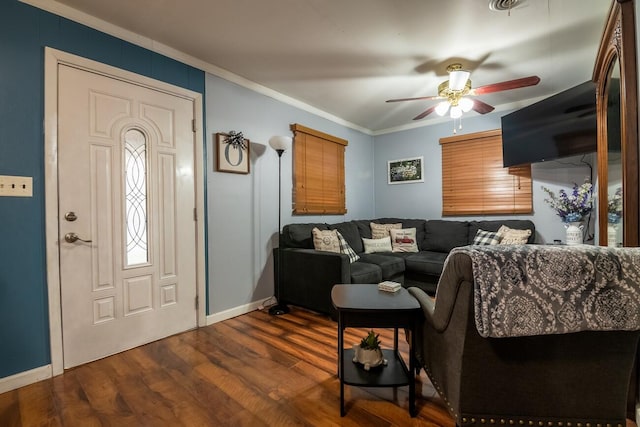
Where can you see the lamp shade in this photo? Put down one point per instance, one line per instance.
(456, 112)
(458, 79)
(466, 104)
(280, 142)
(442, 108)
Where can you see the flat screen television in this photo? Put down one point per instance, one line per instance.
(559, 126)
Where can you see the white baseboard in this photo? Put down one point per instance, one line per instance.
(25, 378)
(233, 312)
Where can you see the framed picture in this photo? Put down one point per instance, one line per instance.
(232, 153)
(405, 171)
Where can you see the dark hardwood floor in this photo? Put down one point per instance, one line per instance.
(253, 370)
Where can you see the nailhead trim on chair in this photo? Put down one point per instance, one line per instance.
(512, 421)
(522, 422)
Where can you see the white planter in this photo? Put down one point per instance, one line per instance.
(369, 358)
(574, 233)
(612, 235)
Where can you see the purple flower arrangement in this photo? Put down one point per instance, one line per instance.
(573, 206)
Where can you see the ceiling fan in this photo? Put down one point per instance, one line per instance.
(455, 92)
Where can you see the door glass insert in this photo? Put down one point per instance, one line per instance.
(135, 193)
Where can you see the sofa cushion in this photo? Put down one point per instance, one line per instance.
(426, 262)
(346, 249)
(391, 266)
(377, 245)
(404, 240)
(326, 240)
(380, 231)
(300, 235)
(350, 232)
(494, 225)
(363, 272)
(442, 235)
(487, 237)
(512, 236)
(364, 228)
(418, 224)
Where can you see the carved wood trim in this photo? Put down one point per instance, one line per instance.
(618, 41)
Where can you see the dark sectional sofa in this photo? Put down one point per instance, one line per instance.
(308, 275)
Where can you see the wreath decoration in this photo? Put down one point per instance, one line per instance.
(236, 140)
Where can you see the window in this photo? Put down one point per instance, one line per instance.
(135, 189)
(318, 172)
(474, 182)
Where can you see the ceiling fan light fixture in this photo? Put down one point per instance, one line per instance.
(458, 79)
(466, 104)
(456, 112)
(442, 108)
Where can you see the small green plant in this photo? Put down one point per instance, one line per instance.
(371, 341)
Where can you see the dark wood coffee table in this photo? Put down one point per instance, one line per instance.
(360, 305)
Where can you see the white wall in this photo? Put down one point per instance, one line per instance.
(243, 209)
(424, 200)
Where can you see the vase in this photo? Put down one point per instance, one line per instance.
(574, 233)
(612, 235)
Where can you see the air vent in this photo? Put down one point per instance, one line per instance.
(502, 5)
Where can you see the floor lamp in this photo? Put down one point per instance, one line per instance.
(280, 144)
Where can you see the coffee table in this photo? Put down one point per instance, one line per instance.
(363, 305)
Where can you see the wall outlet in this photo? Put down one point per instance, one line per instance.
(16, 186)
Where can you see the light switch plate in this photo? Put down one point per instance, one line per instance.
(16, 186)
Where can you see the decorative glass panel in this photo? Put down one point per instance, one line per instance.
(135, 191)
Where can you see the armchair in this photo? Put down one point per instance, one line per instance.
(577, 379)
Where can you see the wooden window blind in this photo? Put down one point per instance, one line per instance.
(318, 172)
(474, 182)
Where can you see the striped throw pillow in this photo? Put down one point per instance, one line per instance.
(346, 249)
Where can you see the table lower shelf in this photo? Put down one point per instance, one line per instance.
(394, 374)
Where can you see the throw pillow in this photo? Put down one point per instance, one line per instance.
(346, 249)
(378, 231)
(512, 236)
(377, 245)
(486, 237)
(404, 240)
(326, 240)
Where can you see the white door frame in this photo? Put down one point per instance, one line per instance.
(53, 58)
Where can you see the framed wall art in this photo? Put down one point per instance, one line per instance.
(405, 171)
(232, 151)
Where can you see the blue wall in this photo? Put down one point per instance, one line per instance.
(24, 32)
(424, 200)
(243, 209)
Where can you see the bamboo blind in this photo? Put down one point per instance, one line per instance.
(474, 182)
(318, 172)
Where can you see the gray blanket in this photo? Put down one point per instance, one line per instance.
(542, 289)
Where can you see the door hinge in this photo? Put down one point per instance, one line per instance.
(195, 214)
(193, 125)
(197, 303)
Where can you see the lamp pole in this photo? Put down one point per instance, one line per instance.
(280, 144)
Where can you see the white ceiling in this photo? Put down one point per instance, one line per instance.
(346, 57)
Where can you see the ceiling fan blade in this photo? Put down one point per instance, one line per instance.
(482, 107)
(507, 85)
(425, 113)
(414, 99)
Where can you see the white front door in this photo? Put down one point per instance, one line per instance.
(127, 231)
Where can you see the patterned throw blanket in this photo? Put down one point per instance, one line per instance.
(541, 289)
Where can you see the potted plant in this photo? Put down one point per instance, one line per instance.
(368, 352)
